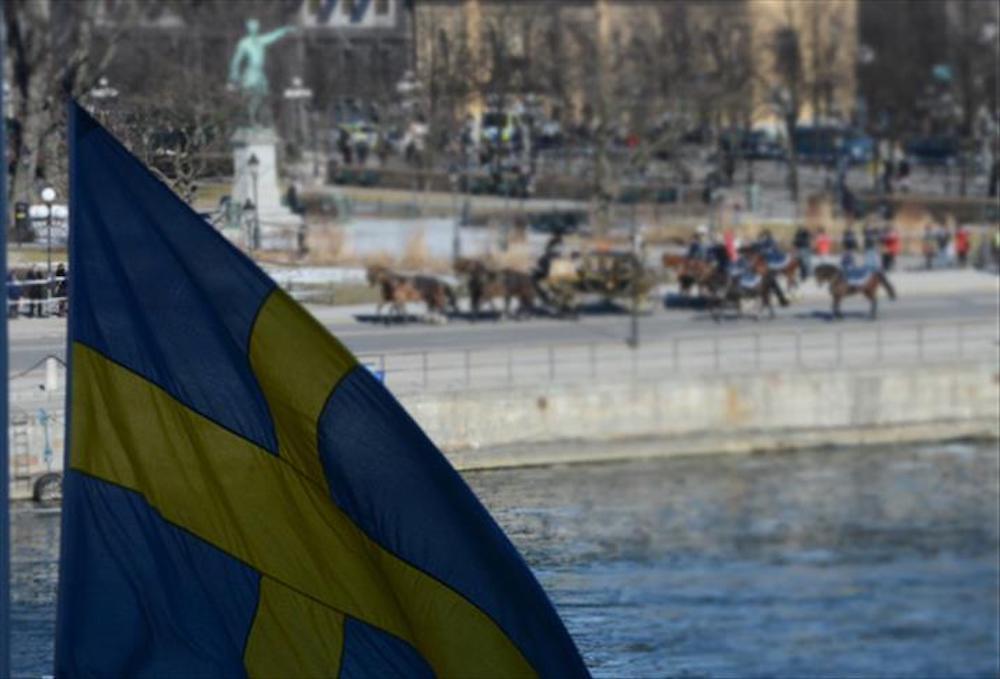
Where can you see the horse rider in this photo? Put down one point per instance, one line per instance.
(870, 235)
(803, 246)
(848, 245)
(553, 249)
(765, 241)
(696, 248)
(718, 252)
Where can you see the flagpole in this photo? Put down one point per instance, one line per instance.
(4, 468)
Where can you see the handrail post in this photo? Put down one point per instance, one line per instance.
(423, 365)
(468, 368)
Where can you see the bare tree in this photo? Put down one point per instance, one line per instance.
(787, 96)
(55, 50)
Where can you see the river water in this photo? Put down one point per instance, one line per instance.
(841, 562)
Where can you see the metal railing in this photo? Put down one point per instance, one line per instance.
(717, 353)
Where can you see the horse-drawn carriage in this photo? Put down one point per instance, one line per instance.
(609, 275)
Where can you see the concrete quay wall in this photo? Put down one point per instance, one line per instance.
(692, 414)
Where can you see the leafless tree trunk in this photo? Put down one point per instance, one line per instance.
(56, 51)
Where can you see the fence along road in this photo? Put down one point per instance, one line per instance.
(846, 347)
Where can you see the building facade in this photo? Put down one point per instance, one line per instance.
(720, 55)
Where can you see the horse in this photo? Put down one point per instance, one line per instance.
(396, 290)
(485, 284)
(843, 284)
(788, 265)
(756, 283)
(690, 272)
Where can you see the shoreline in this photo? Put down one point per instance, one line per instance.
(651, 448)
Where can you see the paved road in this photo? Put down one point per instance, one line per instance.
(368, 338)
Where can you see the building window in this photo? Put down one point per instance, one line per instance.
(381, 6)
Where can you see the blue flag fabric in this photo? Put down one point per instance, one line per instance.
(241, 497)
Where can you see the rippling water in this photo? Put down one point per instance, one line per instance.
(857, 562)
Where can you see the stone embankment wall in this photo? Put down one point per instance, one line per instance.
(669, 415)
(692, 414)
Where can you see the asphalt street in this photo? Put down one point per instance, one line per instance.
(29, 347)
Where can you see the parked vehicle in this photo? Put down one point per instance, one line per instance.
(827, 144)
(752, 144)
(565, 221)
(933, 151)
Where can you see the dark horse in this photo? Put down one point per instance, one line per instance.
(784, 264)
(756, 283)
(690, 272)
(486, 284)
(396, 290)
(843, 284)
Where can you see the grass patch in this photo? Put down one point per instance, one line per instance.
(340, 294)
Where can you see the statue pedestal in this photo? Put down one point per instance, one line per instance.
(280, 228)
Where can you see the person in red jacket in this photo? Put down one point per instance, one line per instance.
(822, 243)
(890, 246)
(962, 245)
(729, 240)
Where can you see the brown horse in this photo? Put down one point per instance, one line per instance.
(756, 284)
(789, 267)
(485, 284)
(842, 285)
(396, 290)
(691, 273)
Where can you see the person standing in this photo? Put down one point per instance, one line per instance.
(943, 237)
(929, 246)
(803, 246)
(962, 245)
(35, 292)
(890, 246)
(13, 295)
(871, 239)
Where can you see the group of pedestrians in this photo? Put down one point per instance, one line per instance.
(946, 246)
(34, 295)
(879, 247)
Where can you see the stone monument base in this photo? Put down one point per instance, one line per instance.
(279, 227)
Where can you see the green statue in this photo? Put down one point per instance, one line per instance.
(249, 58)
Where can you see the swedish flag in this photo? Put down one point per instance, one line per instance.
(241, 497)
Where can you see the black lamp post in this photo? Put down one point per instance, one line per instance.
(48, 197)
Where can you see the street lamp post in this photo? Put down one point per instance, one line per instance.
(103, 94)
(455, 180)
(635, 238)
(48, 197)
(254, 165)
